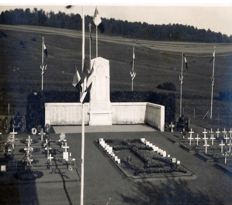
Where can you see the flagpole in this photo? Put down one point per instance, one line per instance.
(42, 62)
(212, 79)
(132, 73)
(181, 77)
(96, 43)
(90, 43)
(83, 125)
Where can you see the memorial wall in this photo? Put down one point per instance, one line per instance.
(122, 113)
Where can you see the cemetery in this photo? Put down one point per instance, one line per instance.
(103, 152)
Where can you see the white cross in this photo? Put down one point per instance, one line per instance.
(50, 157)
(230, 132)
(205, 132)
(65, 147)
(205, 138)
(224, 132)
(229, 144)
(226, 138)
(197, 138)
(48, 149)
(171, 126)
(42, 134)
(13, 133)
(28, 148)
(206, 145)
(221, 145)
(29, 140)
(217, 132)
(190, 138)
(212, 138)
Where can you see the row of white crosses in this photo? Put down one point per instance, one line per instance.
(212, 138)
(109, 150)
(157, 149)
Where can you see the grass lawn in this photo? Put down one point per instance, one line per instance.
(155, 63)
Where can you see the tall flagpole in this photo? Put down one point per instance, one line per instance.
(96, 42)
(212, 79)
(42, 67)
(83, 121)
(132, 73)
(90, 43)
(181, 77)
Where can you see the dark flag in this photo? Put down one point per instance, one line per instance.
(68, 6)
(212, 57)
(45, 51)
(77, 80)
(185, 61)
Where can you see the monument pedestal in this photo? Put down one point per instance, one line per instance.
(99, 106)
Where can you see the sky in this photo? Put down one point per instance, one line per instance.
(216, 16)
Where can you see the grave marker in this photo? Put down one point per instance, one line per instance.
(224, 133)
(229, 144)
(13, 133)
(230, 133)
(221, 145)
(197, 138)
(217, 132)
(171, 126)
(42, 134)
(65, 153)
(190, 138)
(226, 138)
(206, 145)
(212, 138)
(205, 132)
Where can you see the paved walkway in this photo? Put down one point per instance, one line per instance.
(104, 128)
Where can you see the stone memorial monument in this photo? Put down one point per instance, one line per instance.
(99, 106)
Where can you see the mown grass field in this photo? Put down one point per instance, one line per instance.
(155, 63)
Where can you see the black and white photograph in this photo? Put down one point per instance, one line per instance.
(115, 103)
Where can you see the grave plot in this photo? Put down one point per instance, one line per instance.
(211, 147)
(42, 160)
(138, 158)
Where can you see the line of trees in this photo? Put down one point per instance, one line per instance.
(137, 30)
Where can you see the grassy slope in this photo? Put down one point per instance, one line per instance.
(155, 63)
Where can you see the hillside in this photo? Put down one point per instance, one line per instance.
(155, 62)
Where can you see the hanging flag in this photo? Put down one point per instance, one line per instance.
(77, 83)
(212, 57)
(96, 18)
(88, 85)
(185, 61)
(45, 50)
(133, 57)
(97, 21)
(90, 78)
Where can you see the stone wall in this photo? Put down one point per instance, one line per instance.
(122, 113)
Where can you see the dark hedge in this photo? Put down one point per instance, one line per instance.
(35, 115)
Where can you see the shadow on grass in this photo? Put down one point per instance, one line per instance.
(167, 192)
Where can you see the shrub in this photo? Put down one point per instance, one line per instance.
(167, 86)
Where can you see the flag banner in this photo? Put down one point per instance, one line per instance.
(96, 18)
(45, 50)
(83, 96)
(90, 79)
(133, 57)
(77, 83)
(185, 61)
(212, 57)
(101, 27)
